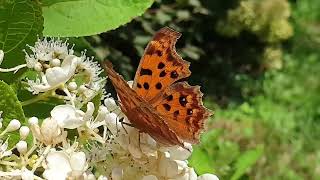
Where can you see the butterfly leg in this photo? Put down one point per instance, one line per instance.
(139, 139)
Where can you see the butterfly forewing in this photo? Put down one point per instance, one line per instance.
(160, 65)
(140, 113)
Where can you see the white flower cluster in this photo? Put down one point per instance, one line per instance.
(80, 139)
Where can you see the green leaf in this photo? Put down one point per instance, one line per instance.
(11, 108)
(88, 17)
(245, 161)
(20, 24)
(201, 161)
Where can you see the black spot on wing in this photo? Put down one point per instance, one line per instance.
(163, 73)
(145, 72)
(161, 65)
(174, 74)
(158, 85)
(183, 101)
(146, 85)
(167, 107)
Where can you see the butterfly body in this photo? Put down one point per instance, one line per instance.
(171, 112)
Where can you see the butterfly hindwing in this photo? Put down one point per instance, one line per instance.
(182, 108)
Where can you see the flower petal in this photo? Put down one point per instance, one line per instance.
(66, 116)
(78, 161)
(58, 165)
(208, 177)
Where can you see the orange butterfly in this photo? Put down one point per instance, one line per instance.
(171, 112)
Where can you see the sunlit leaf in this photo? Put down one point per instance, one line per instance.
(88, 17)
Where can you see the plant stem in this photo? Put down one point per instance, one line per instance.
(36, 99)
(45, 152)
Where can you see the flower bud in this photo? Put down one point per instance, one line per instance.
(82, 88)
(24, 131)
(72, 86)
(13, 125)
(38, 67)
(55, 62)
(50, 130)
(22, 147)
(33, 120)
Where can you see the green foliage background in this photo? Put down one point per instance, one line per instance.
(258, 62)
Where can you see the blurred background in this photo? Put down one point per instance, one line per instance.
(258, 64)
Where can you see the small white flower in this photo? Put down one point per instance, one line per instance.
(45, 50)
(55, 76)
(61, 165)
(3, 149)
(69, 117)
(49, 133)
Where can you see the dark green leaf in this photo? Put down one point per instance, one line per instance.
(20, 24)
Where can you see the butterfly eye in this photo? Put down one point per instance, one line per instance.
(189, 111)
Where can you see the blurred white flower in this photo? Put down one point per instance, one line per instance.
(61, 165)
(208, 177)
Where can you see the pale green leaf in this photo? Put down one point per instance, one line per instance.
(88, 17)
(11, 109)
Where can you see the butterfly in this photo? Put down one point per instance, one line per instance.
(158, 103)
